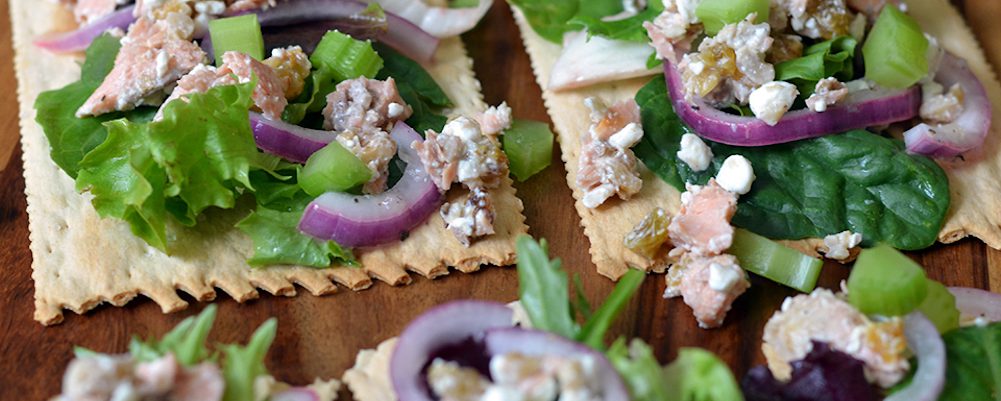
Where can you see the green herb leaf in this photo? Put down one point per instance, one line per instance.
(186, 341)
(70, 137)
(854, 181)
(417, 88)
(549, 17)
(628, 29)
(543, 289)
(831, 58)
(244, 364)
(697, 374)
(973, 364)
(593, 332)
(640, 369)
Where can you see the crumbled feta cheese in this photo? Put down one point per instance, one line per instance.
(857, 27)
(722, 278)
(771, 101)
(395, 110)
(695, 153)
(839, 245)
(858, 85)
(736, 175)
(686, 8)
(626, 137)
(162, 64)
(940, 107)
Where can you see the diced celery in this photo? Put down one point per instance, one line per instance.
(774, 261)
(240, 34)
(714, 14)
(529, 147)
(895, 50)
(940, 307)
(346, 57)
(886, 282)
(333, 168)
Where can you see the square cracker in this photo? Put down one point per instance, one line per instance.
(974, 183)
(81, 260)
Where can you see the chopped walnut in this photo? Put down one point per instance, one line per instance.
(454, 382)
(471, 219)
(363, 105)
(828, 92)
(784, 48)
(941, 108)
(819, 19)
(730, 65)
(292, 66)
(607, 165)
(374, 148)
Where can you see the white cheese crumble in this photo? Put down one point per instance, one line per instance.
(626, 137)
(771, 101)
(162, 64)
(839, 245)
(695, 153)
(395, 110)
(736, 175)
(723, 278)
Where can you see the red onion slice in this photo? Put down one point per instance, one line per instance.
(78, 40)
(587, 61)
(539, 343)
(926, 344)
(973, 303)
(441, 22)
(296, 394)
(289, 141)
(859, 110)
(445, 325)
(970, 128)
(369, 220)
(402, 35)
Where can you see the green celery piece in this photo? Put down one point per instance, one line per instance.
(243, 365)
(715, 14)
(187, 341)
(639, 369)
(345, 57)
(593, 332)
(774, 261)
(886, 282)
(895, 50)
(529, 148)
(939, 306)
(543, 289)
(239, 34)
(333, 168)
(813, 187)
(697, 374)
(973, 364)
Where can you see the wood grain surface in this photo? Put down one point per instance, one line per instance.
(320, 336)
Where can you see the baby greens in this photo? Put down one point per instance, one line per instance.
(973, 364)
(854, 181)
(831, 58)
(551, 19)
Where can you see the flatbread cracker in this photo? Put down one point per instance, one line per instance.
(81, 260)
(974, 186)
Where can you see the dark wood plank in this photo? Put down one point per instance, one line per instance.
(320, 336)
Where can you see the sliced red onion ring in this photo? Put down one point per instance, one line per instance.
(441, 22)
(969, 130)
(926, 344)
(296, 394)
(369, 220)
(859, 110)
(539, 343)
(402, 35)
(289, 141)
(445, 325)
(973, 303)
(587, 61)
(78, 40)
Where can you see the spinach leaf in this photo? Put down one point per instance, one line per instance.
(70, 137)
(831, 58)
(552, 18)
(417, 88)
(627, 29)
(854, 181)
(973, 364)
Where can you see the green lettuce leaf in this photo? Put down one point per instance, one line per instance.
(244, 364)
(639, 368)
(273, 226)
(543, 289)
(70, 137)
(186, 341)
(417, 88)
(854, 181)
(973, 364)
(549, 18)
(830, 58)
(698, 375)
(198, 156)
(593, 332)
(627, 29)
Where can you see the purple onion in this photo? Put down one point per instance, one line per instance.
(974, 302)
(859, 110)
(370, 220)
(289, 141)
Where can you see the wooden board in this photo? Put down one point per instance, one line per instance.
(320, 336)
